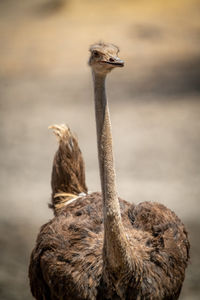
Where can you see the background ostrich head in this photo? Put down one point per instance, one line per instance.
(104, 58)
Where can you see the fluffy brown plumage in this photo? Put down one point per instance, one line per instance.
(67, 261)
(92, 248)
(68, 172)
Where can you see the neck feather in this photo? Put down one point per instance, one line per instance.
(115, 241)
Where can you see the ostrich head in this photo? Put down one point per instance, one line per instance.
(104, 58)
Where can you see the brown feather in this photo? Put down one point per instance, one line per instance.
(68, 173)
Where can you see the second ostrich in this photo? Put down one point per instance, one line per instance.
(98, 246)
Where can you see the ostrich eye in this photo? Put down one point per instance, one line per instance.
(96, 54)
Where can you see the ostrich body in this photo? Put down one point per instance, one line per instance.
(99, 246)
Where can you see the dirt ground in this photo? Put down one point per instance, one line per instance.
(154, 104)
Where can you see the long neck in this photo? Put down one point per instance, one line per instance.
(115, 241)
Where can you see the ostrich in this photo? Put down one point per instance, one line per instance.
(99, 246)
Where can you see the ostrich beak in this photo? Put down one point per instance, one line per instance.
(115, 61)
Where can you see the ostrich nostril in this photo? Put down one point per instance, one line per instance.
(111, 59)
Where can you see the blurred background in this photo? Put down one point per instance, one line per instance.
(155, 111)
